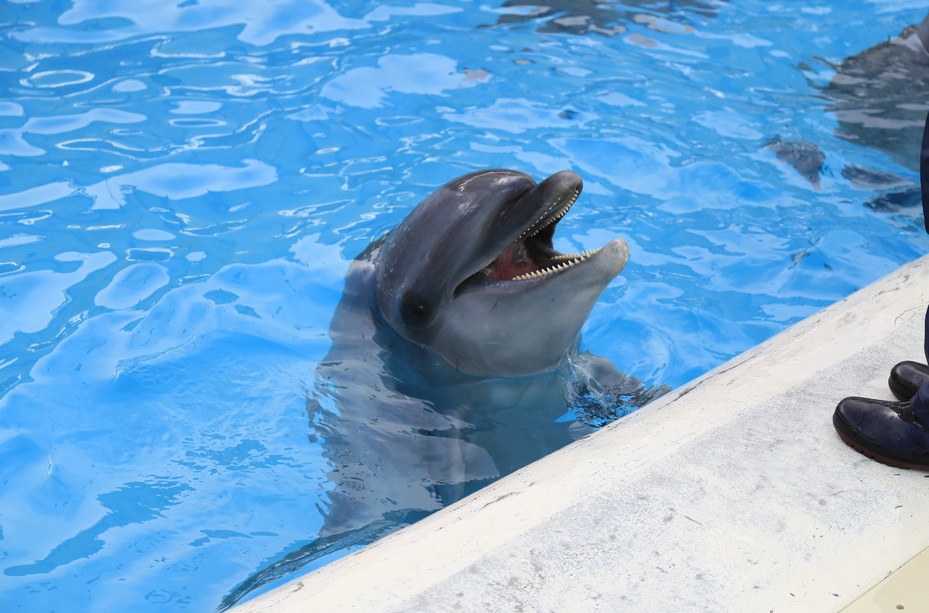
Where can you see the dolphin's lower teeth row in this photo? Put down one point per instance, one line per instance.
(567, 261)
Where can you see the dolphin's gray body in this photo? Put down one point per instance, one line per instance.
(604, 17)
(806, 158)
(454, 354)
(879, 96)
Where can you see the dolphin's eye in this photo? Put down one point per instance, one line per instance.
(414, 311)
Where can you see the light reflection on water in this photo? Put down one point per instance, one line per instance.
(183, 186)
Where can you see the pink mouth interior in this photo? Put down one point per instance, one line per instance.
(514, 261)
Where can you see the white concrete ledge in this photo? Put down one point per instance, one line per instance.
(732, 493)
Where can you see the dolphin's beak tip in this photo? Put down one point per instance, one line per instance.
(618, 251)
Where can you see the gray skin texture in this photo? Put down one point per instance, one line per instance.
(441, 377)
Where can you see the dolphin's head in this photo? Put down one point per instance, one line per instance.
(471, 273)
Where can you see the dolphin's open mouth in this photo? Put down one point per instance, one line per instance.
(532, 256)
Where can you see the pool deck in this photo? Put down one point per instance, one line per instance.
(732, 493)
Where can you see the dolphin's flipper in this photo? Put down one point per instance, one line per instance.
(598, 393)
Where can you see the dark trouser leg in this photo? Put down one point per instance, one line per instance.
(920, 401)
(926, 332)
(920, 404)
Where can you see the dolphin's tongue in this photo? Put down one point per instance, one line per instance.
(514, 261)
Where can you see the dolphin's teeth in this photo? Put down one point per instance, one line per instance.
(575, 257)
(548, 218)
(559, 263)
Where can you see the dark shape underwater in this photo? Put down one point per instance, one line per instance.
(583, 17)
(806, 158)
(881, 95)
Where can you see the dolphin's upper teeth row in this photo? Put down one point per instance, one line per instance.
(549, 218)
(564, 262)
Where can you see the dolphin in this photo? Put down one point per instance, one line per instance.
(806, 158)
(604, 17)
(879, 95)
(455, 359)
(472, 275)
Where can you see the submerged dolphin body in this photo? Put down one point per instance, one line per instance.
(603, 17)
(454, 358)
(879, 95)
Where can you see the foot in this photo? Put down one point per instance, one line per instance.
(906, 377)
(883, 430)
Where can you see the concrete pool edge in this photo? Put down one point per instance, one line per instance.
(730, 493)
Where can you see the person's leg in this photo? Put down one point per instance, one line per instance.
(924, 169)
(906, 377)
(926, 337)
(895, 433)
(920, 404)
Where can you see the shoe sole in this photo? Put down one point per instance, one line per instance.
(849, 440)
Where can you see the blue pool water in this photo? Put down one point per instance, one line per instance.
(183, 186)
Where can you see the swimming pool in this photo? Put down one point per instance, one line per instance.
(183, 188)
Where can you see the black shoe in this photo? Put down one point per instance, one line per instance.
(906, 377)
(883, 430)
